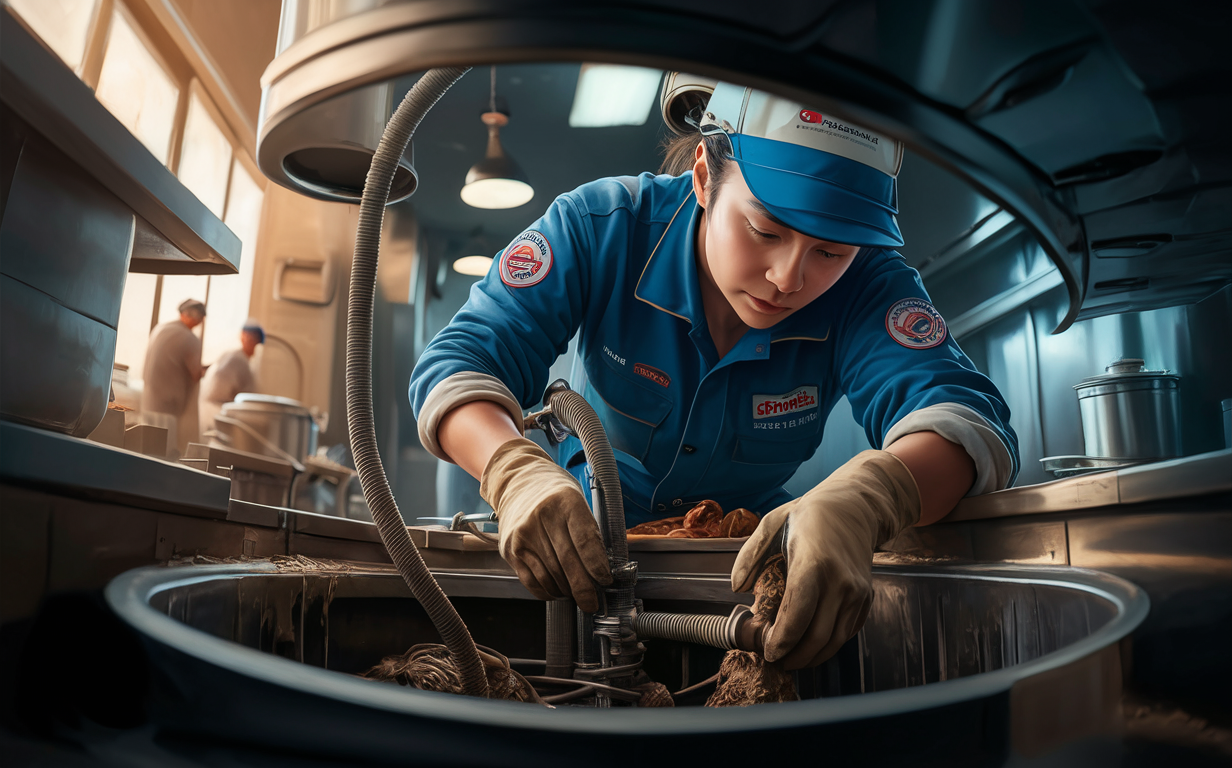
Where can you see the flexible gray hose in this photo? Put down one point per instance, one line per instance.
(360, 421)
(716, 631)
(574, 412)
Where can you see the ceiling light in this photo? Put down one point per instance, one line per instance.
(608, 94)
(496, 181)
(475, 266)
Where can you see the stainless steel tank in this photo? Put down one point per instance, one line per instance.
(955, 666)
(269, 425)
(1130, 412)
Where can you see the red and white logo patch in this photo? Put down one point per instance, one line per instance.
(808, 116)
(770, 406)
(915, 324)
(652, 373)
(526, 261)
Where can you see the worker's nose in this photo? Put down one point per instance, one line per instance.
(786, 270)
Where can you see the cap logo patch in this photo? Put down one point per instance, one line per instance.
(652, 373)
(526, 261)
(807, 116)
(915, 324)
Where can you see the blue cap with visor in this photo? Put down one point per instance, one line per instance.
(825, 177)
(252, 326)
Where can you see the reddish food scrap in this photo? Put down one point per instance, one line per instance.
(690, 533)
(707, 515)
(738, 523)
(657, 527)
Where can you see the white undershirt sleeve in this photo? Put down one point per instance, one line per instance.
(994, 465)
(459, 389)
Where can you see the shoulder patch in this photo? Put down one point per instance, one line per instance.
(915, 324)
(526, 261)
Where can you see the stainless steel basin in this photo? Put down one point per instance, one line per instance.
(956, 665)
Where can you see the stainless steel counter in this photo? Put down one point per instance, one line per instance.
(38, 457)
(1200, 475)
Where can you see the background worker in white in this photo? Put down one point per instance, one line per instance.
(751, 290)
(172, 370)
(230, 375)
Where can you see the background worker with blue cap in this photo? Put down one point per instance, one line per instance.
(230, 375)
(722, 310)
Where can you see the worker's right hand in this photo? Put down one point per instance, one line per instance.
(547, 532)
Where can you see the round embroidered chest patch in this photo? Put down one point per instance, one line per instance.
(915, 324)
(526, 261)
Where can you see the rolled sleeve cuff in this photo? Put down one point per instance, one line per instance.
(459, 389)
(994, 465)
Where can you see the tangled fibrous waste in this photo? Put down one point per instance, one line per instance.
(430, 667)
(301, 564)
(744, 677)
(654, 695)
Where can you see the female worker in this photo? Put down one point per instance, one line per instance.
(722, 313)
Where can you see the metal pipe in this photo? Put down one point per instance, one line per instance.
(560, 627)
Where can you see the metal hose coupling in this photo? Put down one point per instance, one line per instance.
(736, 631)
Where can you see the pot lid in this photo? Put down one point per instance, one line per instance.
(254, 397)
(1123, 369)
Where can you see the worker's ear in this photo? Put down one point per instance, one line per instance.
(701, 174)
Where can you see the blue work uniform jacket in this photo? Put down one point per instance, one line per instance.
(615, 260)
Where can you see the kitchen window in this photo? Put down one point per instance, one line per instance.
(135, 87)
(64, 25)
(205, 155)
(143, 76)
(228, 294)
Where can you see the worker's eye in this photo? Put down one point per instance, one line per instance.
(829, 255)
(759, 234)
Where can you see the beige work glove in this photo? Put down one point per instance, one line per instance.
(547, 532)
(831, 533)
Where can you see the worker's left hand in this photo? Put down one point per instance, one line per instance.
(831, 533)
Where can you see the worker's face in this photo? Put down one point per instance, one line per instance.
(765, 270)
(249, 341)
(191, 319)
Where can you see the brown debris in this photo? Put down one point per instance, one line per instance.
(301, 564)
(706, 515)
(654, 695)
(657, 527)
(704, 521)
(738, 523)
(689, 533)
(430, 667)
(746, 678)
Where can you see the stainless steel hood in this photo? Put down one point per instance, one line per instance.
(1054, 109)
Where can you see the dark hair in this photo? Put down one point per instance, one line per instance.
(678, 158)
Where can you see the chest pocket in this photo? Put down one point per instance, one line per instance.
(630, 413)
(788, 439)
(763, 451)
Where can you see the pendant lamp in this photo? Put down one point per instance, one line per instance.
(496, 181)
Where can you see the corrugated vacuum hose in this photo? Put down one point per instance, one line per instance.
(576, 414)
(360, 421)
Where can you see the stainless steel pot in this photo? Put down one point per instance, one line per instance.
(276, 426)
(1130, 412)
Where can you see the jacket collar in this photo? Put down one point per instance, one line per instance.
(669, 279)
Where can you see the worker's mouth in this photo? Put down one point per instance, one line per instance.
(766, 307)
